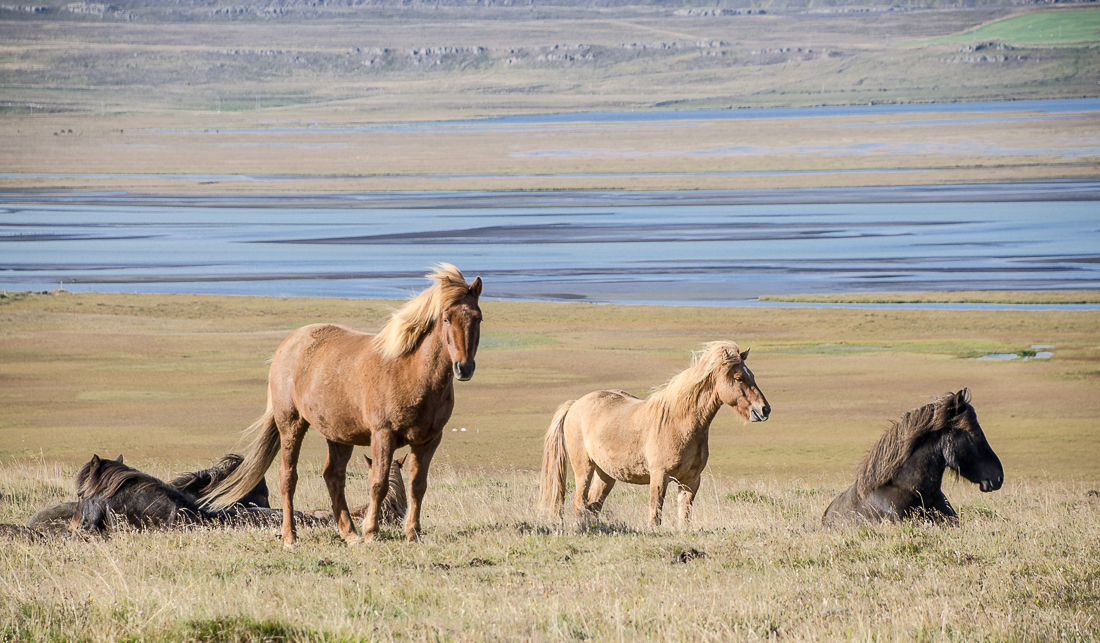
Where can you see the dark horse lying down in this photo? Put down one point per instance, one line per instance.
(59, 517)
(900, 477)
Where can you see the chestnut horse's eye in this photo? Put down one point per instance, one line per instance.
(446, 320)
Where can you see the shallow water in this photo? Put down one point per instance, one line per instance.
(619, 247)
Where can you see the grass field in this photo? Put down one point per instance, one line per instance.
(169, 381)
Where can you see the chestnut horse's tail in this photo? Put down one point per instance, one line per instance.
(554, 455)
(251, 471)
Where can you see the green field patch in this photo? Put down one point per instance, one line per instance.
(1067, 27)
(128, 396)
(512, 341)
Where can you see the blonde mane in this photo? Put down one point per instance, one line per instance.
(679, 396)
(417, 317)
(898, 442)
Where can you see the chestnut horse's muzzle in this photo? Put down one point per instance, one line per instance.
(464, 371)
(762, 414)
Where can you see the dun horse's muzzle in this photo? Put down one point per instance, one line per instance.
(464, 372)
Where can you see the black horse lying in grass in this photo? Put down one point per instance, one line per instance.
(58, 518)
(900, 478)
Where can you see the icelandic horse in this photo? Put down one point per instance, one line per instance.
(611, 435)
(388, 390)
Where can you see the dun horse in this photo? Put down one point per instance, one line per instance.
(387, 391)
(619, 437)
(901, 476)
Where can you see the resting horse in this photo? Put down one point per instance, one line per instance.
(901, 476)
(619, 437)
(108, 488)
(59, 517)
(388, 390)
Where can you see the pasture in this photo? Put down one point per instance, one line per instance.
(169, 381)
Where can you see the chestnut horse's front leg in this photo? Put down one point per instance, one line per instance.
(658, 483)
(335, 475)
(418, 470)
(381, 447)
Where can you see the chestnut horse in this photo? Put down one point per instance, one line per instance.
(900, 477)
(619, 437)
(387, 391)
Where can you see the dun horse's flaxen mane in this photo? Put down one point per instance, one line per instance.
(413, 320)
(679, 396)
(105, 477)
(898, 442)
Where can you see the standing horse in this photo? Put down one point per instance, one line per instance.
(901, 475)
(387, 391)
(619, 437)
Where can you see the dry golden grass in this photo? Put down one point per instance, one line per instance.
(1023, 565)
(169, 381)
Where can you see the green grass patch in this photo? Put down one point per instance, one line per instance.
(1068, 27)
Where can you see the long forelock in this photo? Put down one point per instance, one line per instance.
(417, 317)
(897, 443)
(105, 479)
(678, 396)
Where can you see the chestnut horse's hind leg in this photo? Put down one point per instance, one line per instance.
(291, 439)
(335, 475)
(686, 498)
(418, 471)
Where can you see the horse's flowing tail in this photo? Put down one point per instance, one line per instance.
(251, 471)
(552, 492)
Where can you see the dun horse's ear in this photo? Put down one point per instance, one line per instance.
(745, 355)
(475, 288)
(401, 461)
(367, 458)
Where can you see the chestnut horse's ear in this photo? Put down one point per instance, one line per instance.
(367, 458)
(401, 461)
(745, 355)
(475, 288)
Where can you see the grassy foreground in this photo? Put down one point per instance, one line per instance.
(169, 381)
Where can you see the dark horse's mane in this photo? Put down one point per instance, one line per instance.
(898, 442)
(196, 482)
(101, 477)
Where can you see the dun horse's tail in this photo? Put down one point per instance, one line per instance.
(251, 471)
(552, 493)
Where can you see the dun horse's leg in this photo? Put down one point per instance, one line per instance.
(381, 447)
(687, 497)
(602, 485)
(418, 485)
(583, 468)
(658, 483)
(335, 475)
(288, 475)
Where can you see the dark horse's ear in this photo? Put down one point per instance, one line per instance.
(475, 288)
(401, 461)
(95, 458)
(745, 355)
(119, 459)
(963, 396)
(367, 458)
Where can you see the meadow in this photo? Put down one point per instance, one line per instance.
(170, 381)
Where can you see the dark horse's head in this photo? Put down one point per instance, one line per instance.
(462, 331)
(965, 449)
